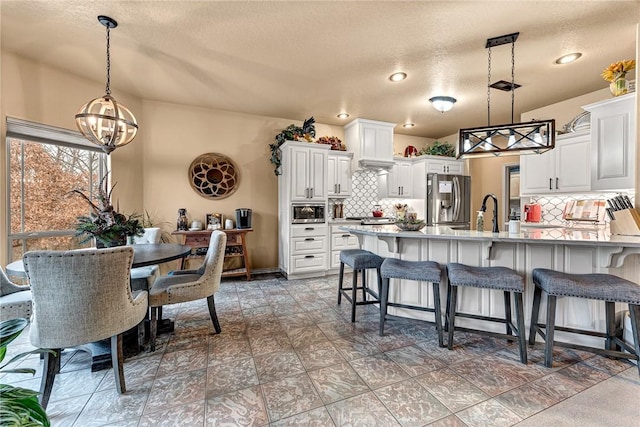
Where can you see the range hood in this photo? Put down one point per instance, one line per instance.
(371, 142)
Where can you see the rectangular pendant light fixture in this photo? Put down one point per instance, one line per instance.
(533, 137)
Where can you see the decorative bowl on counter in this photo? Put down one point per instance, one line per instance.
(411, 225)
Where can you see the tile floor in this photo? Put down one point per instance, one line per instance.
(288, 355)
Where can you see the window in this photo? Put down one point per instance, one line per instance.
(44, 164)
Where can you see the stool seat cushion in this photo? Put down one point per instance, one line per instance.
(606, 287)
(500, 278)
(426, 271)
(359, 259)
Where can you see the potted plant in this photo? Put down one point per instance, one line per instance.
(291, 133)
(19, 406)
(104, 223)
(439, 149)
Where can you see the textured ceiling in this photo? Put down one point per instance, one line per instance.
(295, 59)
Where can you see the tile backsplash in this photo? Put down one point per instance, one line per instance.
(364, 195)
(553, 206)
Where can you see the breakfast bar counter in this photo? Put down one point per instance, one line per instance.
(571, 250)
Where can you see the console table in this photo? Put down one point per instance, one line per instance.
(236, 248)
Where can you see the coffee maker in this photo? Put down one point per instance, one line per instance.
(243, 218)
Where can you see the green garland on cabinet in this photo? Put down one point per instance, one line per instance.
(291, 133)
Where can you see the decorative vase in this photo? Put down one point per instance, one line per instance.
(121, 241)
(619, 86)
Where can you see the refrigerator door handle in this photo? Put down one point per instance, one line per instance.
(456, 196)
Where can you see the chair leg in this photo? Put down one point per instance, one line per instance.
(117, 360)
(212, 313)
(535, 312)
(438, 313)
(384, 297)
(354, 289)
(141, 335)
(634, 311)
(446, 308)
(51, 368)
(452, 294)
(507, 312)
(340, 282)
(610, 316)
(550, 329)
(153, 328)
(364, 284)
(522, 339)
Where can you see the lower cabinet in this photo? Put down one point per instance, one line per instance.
(308, 244)
(340, 240)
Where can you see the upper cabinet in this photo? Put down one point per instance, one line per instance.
(371, 143)
(339, 174)
(613, 136)
(565, 169)
(435, 164)
(305, 169)
(398, 181)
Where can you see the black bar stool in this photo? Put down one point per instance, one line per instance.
(359, 260)
(497, 278)
(605, 287)
(421, 271)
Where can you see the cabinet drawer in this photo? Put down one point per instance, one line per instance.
(197, 241)
(334, 261)
(307, 263)
(344, 240)
(301, 245)
(308, 230)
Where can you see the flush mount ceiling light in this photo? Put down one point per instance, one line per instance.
(565, 59)
(408, 125)
(398, 77)
(103, 121)
(533, 137)
(442, 103)
(343, 116)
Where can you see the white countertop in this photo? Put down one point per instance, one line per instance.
(573, 236)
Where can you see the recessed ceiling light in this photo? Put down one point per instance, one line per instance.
(565, 59)
(408, 125)
(342, 115)
(397, 77)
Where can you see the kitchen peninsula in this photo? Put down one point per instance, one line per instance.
(571, 250)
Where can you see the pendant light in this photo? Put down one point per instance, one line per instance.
(103, 121)
(533, 137)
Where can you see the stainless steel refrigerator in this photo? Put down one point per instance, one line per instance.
(448, 200)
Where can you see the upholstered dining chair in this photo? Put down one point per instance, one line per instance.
(173, 289)
(143, 277)
(15, 301)
(82, 296)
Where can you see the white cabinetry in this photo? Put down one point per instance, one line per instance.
(613, 143)
(436, 164)
(308, 166)
(340, 240)
(371, 143)
(398, 181)
(565, 169)
(339, 174)
(308, 248)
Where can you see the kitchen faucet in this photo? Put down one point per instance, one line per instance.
(495, 210)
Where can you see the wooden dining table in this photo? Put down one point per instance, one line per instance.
(143, 255)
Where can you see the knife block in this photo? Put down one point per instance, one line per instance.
(627, 222)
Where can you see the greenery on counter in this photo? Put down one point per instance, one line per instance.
(439, 149)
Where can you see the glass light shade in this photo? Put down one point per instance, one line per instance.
(442, 103)
(106, 123)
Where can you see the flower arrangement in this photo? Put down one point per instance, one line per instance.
(291, 133)
(439, 149)
(618, 69)
(105, 223)
(334, 141)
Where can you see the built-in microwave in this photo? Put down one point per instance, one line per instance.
(304, 213)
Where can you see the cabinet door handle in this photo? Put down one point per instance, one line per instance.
(339, 189)
(311, 191)
(309, 228)
(309, 256)
(556, 183)
(346, 235)
(309, 239)
(550, 181)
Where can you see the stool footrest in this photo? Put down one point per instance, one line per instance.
(479, 317)
(488, 333)
(411, 307)
(601, 351)
(540, 326)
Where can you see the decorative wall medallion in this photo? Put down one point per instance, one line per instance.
(213, 176)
